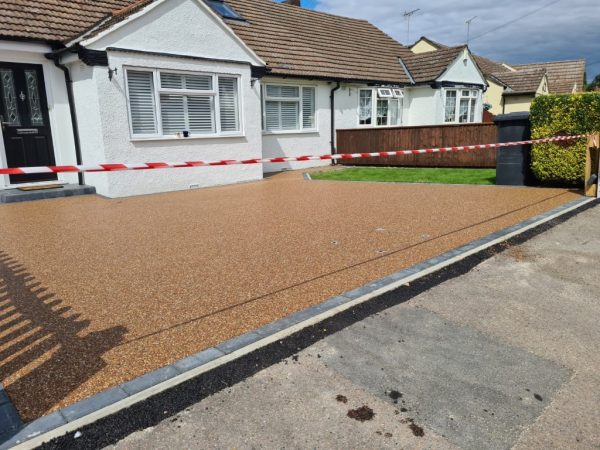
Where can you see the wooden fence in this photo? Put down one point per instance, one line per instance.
(406, 138)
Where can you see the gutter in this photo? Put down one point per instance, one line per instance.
(332, 106)
(55, 56)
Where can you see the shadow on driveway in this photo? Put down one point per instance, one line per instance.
(39, 338)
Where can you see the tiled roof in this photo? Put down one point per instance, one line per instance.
(563, 76)
(426, 67)
(488, 66)
(300, 42)
(53, 20)
(294, 41)
(525, 81)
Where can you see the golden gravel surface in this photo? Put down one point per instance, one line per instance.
(95, 292)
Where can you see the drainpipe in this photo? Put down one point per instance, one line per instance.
(69, 81)
(332, 106)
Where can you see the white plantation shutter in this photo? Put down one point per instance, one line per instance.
(172, 110)
(290, 115)
(308, 107)
(140, 86)
(186, 102)
(228, 104)
(185, 81)
(283, 91)
(289, 108)
(272, 113)
(200, 115)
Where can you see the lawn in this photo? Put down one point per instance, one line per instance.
(410, 175)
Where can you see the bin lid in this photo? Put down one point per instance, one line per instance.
(512, 117)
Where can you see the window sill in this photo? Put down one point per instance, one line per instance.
(277, 133)
(191, 138)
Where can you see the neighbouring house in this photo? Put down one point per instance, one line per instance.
(564, 77)
(187, 80)
(522, 86)
(512, 87)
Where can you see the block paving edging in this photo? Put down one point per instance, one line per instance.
(15, 433)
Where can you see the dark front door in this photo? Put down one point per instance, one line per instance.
(24, 117)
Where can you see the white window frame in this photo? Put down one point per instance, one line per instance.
(214, 93)
(459, 96)
(298, 99)
(375, 97)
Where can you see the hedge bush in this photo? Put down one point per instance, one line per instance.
(562, 164)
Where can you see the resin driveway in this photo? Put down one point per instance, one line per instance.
(95, 292)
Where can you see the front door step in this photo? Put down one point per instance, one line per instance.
(40, 187)
(57, 191)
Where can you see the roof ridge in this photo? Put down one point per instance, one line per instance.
(551, 62)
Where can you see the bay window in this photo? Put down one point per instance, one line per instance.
(289, 108)
(460, 105)
(380, 107)
(168, 104)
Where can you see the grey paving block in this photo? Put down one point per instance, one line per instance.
(150, 379)
(197, 360)
(277, 326)
(94, 403)
(9, 418)
(361, 291)
(3, 396)
(239, 342)
(33, 429)
(69, 190)
(334, 302)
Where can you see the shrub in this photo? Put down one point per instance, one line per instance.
(562, 164)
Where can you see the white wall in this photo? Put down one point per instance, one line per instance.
(58, 104)
(424, 106)
(183, 27)
(463, 70)
(301, 143)
(102, 106)
(106, 137)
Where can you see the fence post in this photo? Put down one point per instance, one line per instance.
(592, 166)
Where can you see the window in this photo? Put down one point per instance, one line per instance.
(224, 10)
(365, 108)
(460, 105)
(385, 93)
(289, 108)
(387, 109)
(165, 103)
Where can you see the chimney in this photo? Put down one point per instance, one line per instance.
(293, 2)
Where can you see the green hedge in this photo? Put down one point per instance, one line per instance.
(562, 164)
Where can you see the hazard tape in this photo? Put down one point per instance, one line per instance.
(228, 162)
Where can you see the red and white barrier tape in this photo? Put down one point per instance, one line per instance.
(172, 165)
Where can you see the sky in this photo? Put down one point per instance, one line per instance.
(552, 29)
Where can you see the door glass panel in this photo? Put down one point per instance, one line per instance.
(11, 111)
(35, 107)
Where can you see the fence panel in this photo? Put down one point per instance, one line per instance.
(403, 138)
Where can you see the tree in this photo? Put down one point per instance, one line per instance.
(595, 84)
